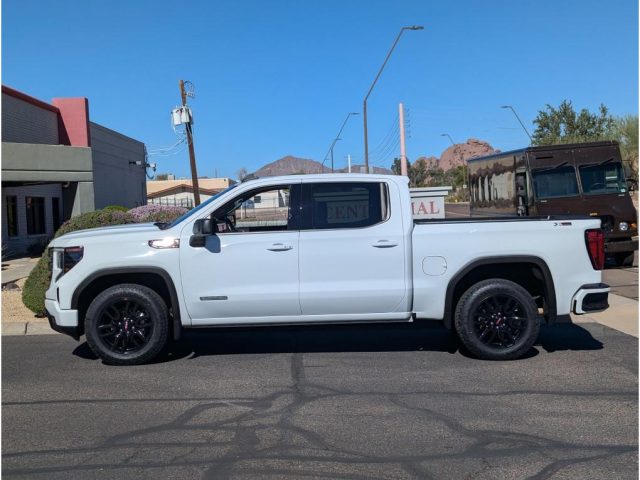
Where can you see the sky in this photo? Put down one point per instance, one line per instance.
(278, 77)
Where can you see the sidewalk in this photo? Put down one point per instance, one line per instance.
(13, 270)
(622, 315)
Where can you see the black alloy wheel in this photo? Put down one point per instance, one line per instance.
(127, 324)
(497, 319)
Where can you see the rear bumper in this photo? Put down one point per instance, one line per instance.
(63, 321)
(591, 298)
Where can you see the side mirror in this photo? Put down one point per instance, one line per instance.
(201, 230)
(203, 226)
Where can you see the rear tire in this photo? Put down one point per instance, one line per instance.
(127, 324)
(497, 319)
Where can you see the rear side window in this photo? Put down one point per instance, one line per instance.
(555, 182)
(344, 205)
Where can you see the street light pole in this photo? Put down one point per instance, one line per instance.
(450, 139)
(522, 124)
(364, 104)
(333, 145)
(336, 139)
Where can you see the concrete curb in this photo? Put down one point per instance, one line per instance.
(27, 328)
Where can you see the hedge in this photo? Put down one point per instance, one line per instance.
(118, 208)
(33, 292)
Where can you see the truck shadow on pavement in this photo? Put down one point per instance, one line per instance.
(419, 336)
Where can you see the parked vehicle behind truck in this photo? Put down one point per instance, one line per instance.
(577, 179)
(337, 248)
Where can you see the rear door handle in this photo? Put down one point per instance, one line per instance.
(384, 244)
(279, 247)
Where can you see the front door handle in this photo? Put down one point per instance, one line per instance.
(279, 247)
(384, 244)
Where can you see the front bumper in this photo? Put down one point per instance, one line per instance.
(63, 321)
(591, 298)
(621, 246)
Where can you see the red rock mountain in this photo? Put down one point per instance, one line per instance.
(459, 153)
(291, 165)
(452, 157)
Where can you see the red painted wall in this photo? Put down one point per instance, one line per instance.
(73, 121)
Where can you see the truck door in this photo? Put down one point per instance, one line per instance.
(248, 271)
(352, 250)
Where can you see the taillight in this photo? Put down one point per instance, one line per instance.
(595, 247)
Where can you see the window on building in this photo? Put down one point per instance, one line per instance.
(55, 210)
(12, 215)
(345, 205)
(35, 215)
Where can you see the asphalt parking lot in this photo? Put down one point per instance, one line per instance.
(374, 402)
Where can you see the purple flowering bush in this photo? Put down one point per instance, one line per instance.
(156, 213)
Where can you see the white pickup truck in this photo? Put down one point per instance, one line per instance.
(312, 249)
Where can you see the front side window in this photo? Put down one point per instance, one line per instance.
(602, 178)
(12, 215)
(344, 205)
(256, 211)
(555, 182)
(35, 215)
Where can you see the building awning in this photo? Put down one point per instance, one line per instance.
(29, 162)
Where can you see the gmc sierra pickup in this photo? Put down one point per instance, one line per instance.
(323, 249)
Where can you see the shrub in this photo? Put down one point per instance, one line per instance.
(117, 208)
(156, 213)
(36, 285)
(100, 218)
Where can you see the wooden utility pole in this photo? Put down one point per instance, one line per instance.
(403, 149)
(192, 154)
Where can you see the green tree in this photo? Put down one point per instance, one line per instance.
(626, 133)
(564, 125)
(395, 168)
(162, 176)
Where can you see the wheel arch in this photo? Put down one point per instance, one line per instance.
(535, 278)
(155, 278)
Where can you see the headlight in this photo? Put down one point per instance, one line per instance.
(64, 259)
(623, 226)
(165, 243)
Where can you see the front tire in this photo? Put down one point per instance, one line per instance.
(497, 319)
(127, 324)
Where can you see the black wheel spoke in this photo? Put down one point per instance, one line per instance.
(497, 321)
(125, 326)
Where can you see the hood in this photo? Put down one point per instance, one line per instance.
(114, 231)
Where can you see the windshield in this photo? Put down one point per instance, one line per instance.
(199, 207)
(557, 181)
(607, 177)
